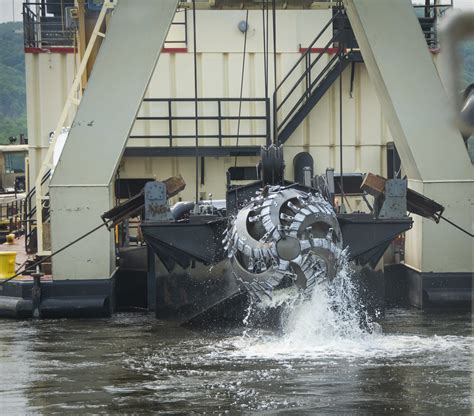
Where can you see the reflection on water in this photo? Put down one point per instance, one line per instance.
(321, 362)
(134, 363)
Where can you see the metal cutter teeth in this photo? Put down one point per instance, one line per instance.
(262, 270)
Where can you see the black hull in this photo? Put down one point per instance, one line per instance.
(200, 239)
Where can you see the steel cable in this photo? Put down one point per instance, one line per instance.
(242, 83)
(34, 265)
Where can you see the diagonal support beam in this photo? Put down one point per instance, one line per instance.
(423, 126)
(409, 89)
(81, 190)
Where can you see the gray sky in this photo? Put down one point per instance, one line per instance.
(6, 10)
(464, 4)
(10, 8)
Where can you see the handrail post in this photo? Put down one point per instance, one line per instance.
(306, 75)
(275, 121)
(219, 120)
(309, 70)
(170, 122)
(186, 27)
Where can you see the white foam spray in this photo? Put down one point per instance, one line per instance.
(333, 312)
(333, 324)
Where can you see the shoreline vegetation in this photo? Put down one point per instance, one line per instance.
(12, 81)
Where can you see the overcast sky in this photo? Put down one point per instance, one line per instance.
(10, 9)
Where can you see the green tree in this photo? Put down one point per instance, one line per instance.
(12, 81)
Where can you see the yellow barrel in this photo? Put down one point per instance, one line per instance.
(7, 264)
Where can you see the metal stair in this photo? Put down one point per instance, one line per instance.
(310, 85)
(304, 85)
(314, 95)
(29, 216)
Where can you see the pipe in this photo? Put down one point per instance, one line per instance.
(14, 307)
(76, 307)
(60, 307)
(180, 209)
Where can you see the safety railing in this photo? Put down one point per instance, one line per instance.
(307, 79)
(53, 24)
(11, 216)
(175, 112)
(428, 15)
(48, 24)
(178, 33)
(29, 213)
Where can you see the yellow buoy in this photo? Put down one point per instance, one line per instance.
(10, 238)
(7, 264)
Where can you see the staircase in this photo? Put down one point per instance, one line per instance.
(306, 83)
(302, 90)
(29, 217)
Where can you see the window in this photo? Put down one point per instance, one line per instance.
(14, 162)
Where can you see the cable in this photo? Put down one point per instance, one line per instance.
(265, 69)
(17, 273)
(457, 226)
(196, 122)
(242, 83)
(265, 66)
(266, 40)
(274, 44)
(340, 128)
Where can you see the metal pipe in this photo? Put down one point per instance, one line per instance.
(265, 72)
(202, 99)
(196, 122)
(242, 82)
(274, 43)
(340, 129)
(203, 136)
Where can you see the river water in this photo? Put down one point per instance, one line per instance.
(320, 362)
(132, 363)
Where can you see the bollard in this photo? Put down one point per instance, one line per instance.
(7, 264)
(36, 292)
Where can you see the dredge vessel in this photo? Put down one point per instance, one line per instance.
(330, 97)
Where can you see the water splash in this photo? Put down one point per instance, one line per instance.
(334, 312)
(334, 324)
